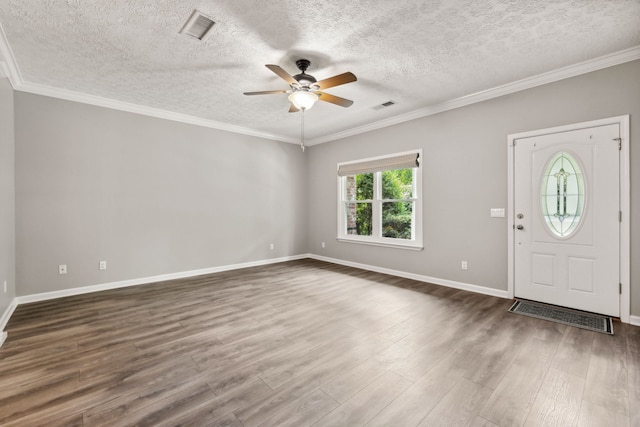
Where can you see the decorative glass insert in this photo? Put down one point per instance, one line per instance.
(562, 195)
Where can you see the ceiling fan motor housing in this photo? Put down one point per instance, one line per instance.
(303, 78)
(303, 64)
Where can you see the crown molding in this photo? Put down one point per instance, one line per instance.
(596, 64)
(100, 101)
(13, 73)
(4, 70)
(8, 65)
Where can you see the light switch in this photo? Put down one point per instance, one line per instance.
(497, 212)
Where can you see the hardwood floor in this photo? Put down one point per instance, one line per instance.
(308, 343)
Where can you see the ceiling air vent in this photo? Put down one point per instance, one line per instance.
(198, 25)
(384, 105)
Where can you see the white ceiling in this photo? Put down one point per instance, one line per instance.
(418, 53)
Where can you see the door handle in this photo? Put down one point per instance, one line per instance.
(520, 227)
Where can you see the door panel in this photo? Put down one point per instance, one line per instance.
(566, 202)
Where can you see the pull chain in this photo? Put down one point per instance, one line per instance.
(302, 131)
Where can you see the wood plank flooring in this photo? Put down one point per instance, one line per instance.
(307, 343)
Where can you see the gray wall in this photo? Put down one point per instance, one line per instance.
(152, 196)
(7, 194)
(147, 195)
(465, 174)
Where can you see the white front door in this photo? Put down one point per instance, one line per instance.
(567, 226)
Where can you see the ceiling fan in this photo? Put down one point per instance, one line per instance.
(305, 90)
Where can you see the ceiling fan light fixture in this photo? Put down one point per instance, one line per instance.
(303, 99)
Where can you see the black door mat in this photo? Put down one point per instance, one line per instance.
(579, 319)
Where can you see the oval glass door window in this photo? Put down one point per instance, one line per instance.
(562, 195)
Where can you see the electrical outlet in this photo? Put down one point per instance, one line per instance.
(62, 269)
(271, 246)
(103, 265)
(463, 265)
(322, 245)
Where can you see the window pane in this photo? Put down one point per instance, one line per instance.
(562, 194)
(358, 187)
(364, 186)
(396, 219)
(359, 218)
(397, 184)
(350, 187)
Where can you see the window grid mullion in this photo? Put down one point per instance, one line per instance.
(377, 205)
(399, 200)
(414, 192)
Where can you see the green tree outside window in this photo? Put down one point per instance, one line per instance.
(397, 190)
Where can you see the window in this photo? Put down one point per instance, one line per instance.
(380, 201)
(562, 194)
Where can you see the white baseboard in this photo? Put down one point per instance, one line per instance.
(146, 280)
(634, 320)
(436, 281)
(5, 319)
(126, 283)
(7, 314)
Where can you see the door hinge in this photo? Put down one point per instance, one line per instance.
(620, 288)
(619, 143)
(619, 216)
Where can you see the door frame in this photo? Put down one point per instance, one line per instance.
(625, 200)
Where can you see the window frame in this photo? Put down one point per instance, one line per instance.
(376, 238)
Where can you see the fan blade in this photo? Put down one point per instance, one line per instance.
(266, 92)
(338, 80)
(334, 99)
(293, 109)
(282, 74)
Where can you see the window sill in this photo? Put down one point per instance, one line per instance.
(411, 246)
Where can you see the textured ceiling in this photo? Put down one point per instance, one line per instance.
(417, 53)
